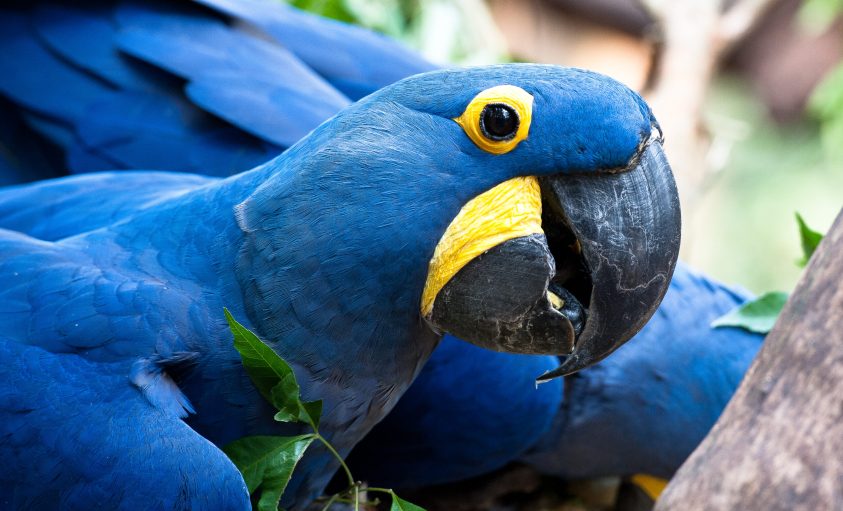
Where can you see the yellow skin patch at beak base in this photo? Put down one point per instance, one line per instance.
(510, 210)
(516, 98)
(651, 485)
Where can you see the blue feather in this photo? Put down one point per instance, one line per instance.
(356, 61)
(74, 466)
(256, 85)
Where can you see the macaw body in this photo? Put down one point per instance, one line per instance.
(640, 411)
(303, 250)
(114, 283)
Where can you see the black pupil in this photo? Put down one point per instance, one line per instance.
(499, 122)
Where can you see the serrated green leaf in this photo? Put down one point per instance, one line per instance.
(272, 376)
(264, 366)
(295, 411)
(286, 416)
(758, 315)
(269, 499)
(286, 397)
(267, 462)
(313, 409)
(399, 504)
(809, 238)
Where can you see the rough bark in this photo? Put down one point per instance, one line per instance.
(779, 443)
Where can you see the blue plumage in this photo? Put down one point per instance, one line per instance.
(57, 407)
(354, 60)
(311, 250)
(109, 81)
(127, 302)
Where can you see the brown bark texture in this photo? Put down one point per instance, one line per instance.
(779, 443)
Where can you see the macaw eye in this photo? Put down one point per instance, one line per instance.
(498, 119)
(499, 122)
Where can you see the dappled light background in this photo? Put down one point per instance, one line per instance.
(749, 92)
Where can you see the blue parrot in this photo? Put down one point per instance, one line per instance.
(639, 412)
(114, 297)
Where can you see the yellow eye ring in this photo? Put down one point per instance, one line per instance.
(508, 107)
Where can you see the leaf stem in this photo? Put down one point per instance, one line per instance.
(331, 501)
(381, 490)
(356, 497)
(330, 447)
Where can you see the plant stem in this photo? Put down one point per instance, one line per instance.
(338, 457)
(381, 490)
(331, 501)
(356, 497)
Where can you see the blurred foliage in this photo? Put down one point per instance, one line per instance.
(391, 17)
(826, 103)
(760, 315)
(445, 31)
(818, 15)
(741, 230)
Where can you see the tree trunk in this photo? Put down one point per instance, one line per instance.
(779, 443)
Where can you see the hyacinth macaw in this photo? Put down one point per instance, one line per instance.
(118, 380)
(639, 412)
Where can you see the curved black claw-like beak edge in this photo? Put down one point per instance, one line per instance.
(589, 283)
(628, 225)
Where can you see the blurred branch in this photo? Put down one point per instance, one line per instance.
(739, 20)
(691, 38)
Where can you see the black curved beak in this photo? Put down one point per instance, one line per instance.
(588, 284)
(628, 227)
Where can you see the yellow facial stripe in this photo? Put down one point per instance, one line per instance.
(510, 210)
(651, 485)
(516, 98)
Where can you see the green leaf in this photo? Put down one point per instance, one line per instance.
(399, 504)
(810, 240)
(757, 316)
(273, 377)
(267, 462)
(295, 411)
(264, 366)
(313, 409)
(334, 9)
(269, 499)
(286, 397)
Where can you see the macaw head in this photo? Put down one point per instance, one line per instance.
(525, 208)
